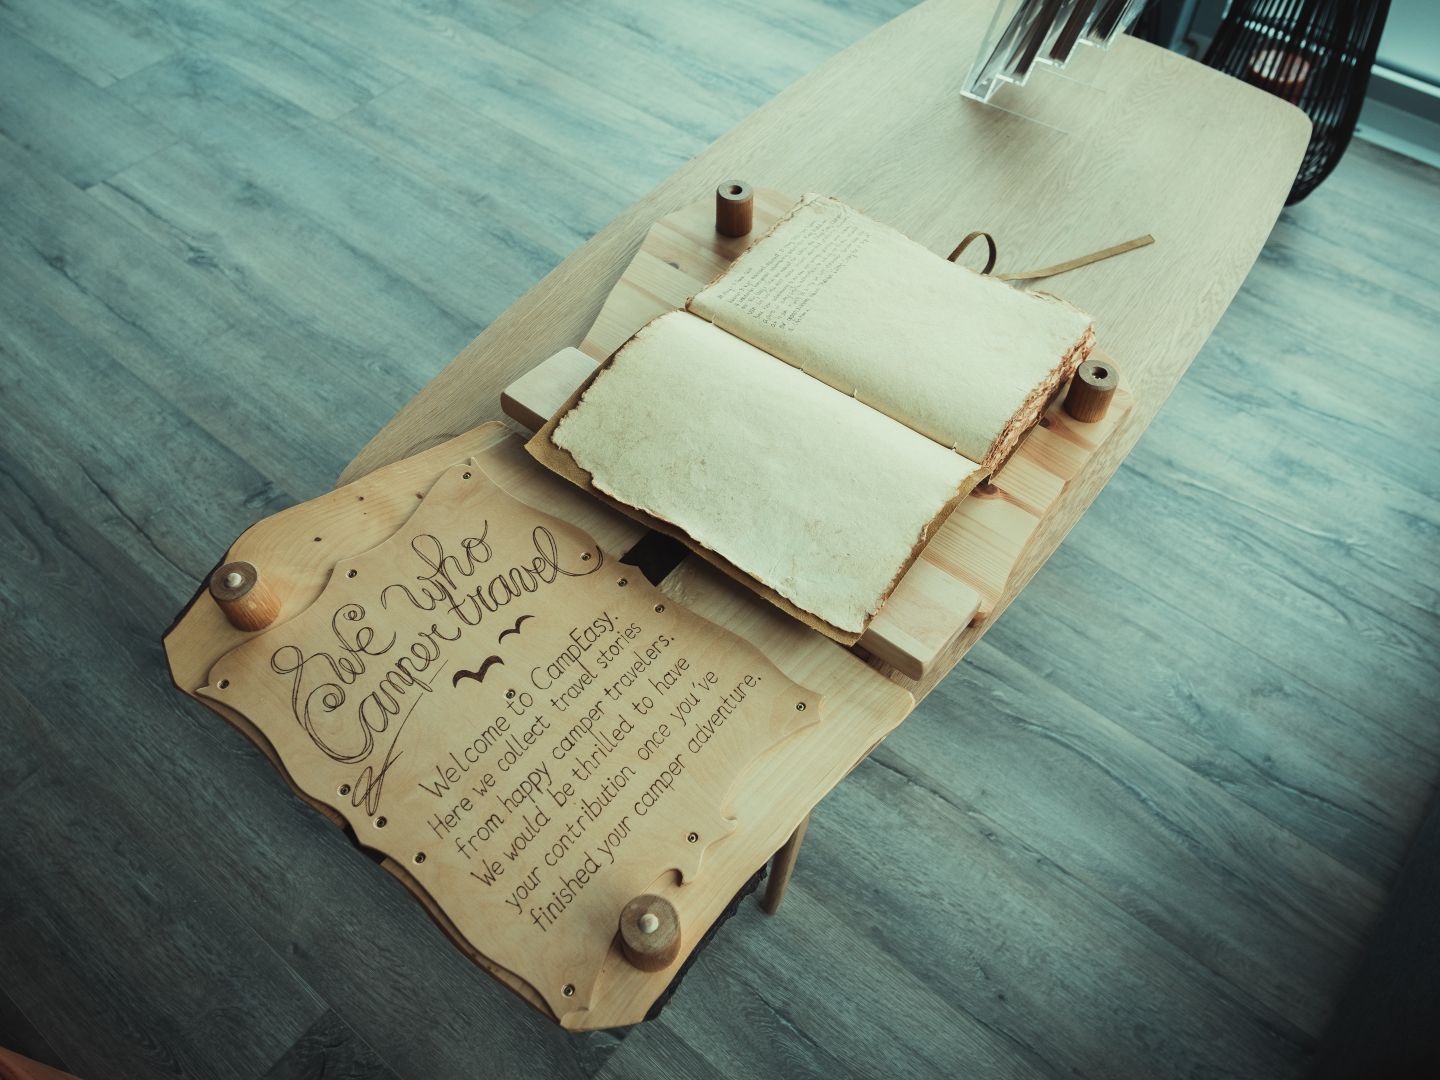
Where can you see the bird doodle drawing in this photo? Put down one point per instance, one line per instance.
(490, 661)
(514, 629)
(478, 676)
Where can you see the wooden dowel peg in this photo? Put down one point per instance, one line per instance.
(734, 208)
(248, 603)
(650, 933)
(1091, 390)
(781, 867)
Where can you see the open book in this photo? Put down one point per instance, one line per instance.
(818, 409)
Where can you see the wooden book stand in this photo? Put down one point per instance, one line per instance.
(575, 770)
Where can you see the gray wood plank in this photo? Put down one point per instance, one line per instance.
(330, 1050)
(464, 254)
(81, 132)
(664, 49)
(1384, 1024)
(204, 997)
(1209, 701)
(186, 331)
(654, 1049)
(552, 102)
(1275, 917)
(390, 329)
(1298, 543)
(315, 71)
(809, 994)
(85, 36)
(1011, 937)
(459, 150)
(60, 378)
(19, 1035)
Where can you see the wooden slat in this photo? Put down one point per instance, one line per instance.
(966, 567)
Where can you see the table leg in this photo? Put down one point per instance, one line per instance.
(781, 867)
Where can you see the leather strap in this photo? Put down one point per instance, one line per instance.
(1049, 271)
(989, 242)
(1083, 260)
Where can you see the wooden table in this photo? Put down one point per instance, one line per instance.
(1147, 142)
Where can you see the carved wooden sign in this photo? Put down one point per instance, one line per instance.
(531, 729)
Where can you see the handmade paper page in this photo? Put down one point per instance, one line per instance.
(965, 359)
(810, 492)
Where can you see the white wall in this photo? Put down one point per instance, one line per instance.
(1411, 42)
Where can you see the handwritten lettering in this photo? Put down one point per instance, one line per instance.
(349, 694)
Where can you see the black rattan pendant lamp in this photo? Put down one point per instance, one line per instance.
(1315, 53)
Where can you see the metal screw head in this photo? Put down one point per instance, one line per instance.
(649, 923)
(569, 990)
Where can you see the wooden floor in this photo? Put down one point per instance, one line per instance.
(1142, 831)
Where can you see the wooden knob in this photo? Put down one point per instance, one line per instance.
(248, 603)
(734, 208)
(650, 933)
(1091, 390)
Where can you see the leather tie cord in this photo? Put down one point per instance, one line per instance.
(1058, 268)
(989, 242)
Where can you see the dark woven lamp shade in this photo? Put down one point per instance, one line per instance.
(1315, 53)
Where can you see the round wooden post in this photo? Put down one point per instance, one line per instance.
(1091, 390)
(734, 208)
(248, 603)
(650, 933)
(781, 867)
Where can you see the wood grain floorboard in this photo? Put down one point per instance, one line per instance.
(83, 133)
(341, 941)
(812, 995)
(1003, 943)
(24, 1038)
(335, 183)
(267, 44)
(1209, 701)
(85, 36)
(330, 1050)
(206, 996)
(1218, 881)
(551, 101)
(457, 149)
(1144, 831)
(178, 326)
(292, 269)
(666, 47)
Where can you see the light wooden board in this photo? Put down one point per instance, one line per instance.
(312, 554)
(1162, 146)
(965, 568)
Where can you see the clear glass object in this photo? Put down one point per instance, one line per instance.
(1024, 33)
